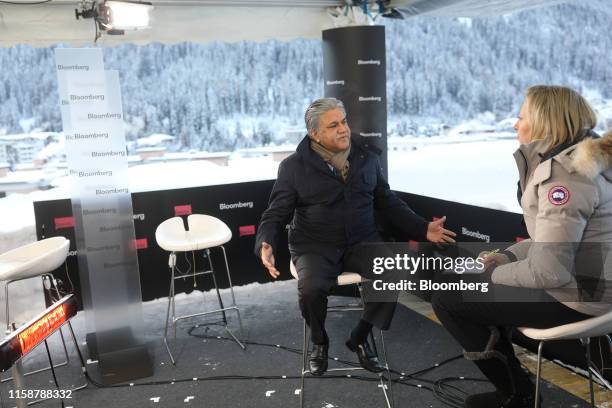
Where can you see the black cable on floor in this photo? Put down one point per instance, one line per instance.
(447, 394)
(439, 388)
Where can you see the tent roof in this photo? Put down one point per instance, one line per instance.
(469, 8)
(209, 20)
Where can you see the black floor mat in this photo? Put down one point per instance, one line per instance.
(270, 316)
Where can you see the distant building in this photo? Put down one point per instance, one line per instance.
(3, 154)
(146, 153)
(154, 140)
(21, 148)
(4, 168)
(278, 153)
(26, 152)
(159, 154)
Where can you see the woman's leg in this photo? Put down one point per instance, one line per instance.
(470, 324)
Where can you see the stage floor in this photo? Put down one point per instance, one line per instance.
(212, 371)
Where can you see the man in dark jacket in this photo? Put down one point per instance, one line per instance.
(329, 189)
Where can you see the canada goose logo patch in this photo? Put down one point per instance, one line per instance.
(558, 195)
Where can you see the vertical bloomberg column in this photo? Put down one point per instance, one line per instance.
(354, 71)
(102, 206)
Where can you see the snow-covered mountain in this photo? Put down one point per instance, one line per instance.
(220, 97)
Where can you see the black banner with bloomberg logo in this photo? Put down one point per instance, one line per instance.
(470, 222)
(354, 70)
(238, 205)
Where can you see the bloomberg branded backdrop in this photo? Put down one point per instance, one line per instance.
(240, 206)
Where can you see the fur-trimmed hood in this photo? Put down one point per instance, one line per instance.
(593, 157)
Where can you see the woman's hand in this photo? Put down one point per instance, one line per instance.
(493, 259)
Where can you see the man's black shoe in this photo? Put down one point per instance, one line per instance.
(367, 358)
(318, 359)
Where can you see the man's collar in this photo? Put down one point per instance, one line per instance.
(304, 146)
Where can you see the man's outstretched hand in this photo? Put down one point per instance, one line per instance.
(438, 234)
(267, 258)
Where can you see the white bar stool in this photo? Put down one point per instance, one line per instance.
(583, 331)
(33, 260)
(345, 278)
(205, 232)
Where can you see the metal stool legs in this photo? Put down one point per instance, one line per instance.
(538, 373)
(586, 343)
(18, 376)
(9, 329)
(222, 309)
(386, 386)
(388, 397)
(305, 346)
(51, 367)
(233, 306)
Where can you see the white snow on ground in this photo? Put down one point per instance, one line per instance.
(17, 210)
(481, 173)
(154, 140)
(52, 149)
(191, 173)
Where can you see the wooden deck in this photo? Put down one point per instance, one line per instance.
(571, 382)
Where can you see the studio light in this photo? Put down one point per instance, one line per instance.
(126, 15)
(116, 16)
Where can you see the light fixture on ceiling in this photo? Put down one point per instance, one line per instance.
(116, 16)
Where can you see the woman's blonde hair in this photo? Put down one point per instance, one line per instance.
(558, 114)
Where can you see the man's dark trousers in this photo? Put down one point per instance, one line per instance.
(318, 267)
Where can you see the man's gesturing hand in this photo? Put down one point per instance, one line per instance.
(436, 232)
(267, 258)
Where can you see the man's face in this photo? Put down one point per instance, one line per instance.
(334, 133)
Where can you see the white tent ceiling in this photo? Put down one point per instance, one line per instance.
(208, 20)
(469, 8)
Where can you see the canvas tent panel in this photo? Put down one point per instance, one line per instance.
(44, 25)
(468, 8)
(207, 20)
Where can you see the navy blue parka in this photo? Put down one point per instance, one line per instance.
(325, 210)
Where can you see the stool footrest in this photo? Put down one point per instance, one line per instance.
(40, 370)
(340, 369)
(190, 275)
(347, 308)
(177, 318)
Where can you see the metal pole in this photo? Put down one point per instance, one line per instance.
(53, 370)
(587, 345)
(17, 371)
(538, 374)
(19, 384)
(210, 265)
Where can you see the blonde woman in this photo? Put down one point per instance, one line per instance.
(565, 191)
